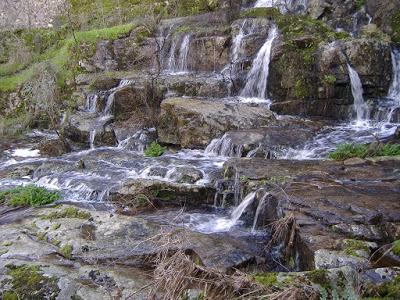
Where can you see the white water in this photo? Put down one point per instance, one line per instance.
(212, 223)
(224, 147)
(360, 107)
(179, 65)
(284, 6)
(91, 103)
(183, 54)
(257, 79)
(25, 152)
(260, 207)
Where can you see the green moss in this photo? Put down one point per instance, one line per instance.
(267, 279)
(68, 212)
(29, 195)
(301, 89)
(396, 27)
(352, 246)
(320, 277)
(154, 150)
(396, 247)
(55, 226)
(66, 251)
(360, 3)
(7, 243)
(330, 79)
(29, 282)
(346, 151)
(390, 289)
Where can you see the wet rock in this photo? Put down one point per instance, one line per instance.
(81, 124)
(330, 201)
(54, 147)
(104, 83)
(383, 13)
(194, 123)
(187, 175)
(162, 193)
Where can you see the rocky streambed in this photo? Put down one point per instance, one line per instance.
(242, 201)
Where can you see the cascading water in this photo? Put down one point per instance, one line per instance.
(284, 6)
(360, 106)
(212, 223)
(91, 103)
(224, 147)
(257, 79)
(260, 207)
(183, 54)
(180, 64)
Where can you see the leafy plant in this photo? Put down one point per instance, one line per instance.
(154, 150)
(346, 151)
(29, 195)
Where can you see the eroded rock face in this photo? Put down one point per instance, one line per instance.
(193, 123)
(322, 86)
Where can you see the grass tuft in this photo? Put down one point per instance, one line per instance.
(29, 195)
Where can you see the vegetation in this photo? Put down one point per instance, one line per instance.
(346, 151)
(351, 247)
(154, 150)
(396, 27)
(396, 247)
(66, 251)
(29, 195)
(29, 282)
(68, 212)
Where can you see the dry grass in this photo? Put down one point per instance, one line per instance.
(177, 273)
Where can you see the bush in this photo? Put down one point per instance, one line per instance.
(154, 150)
(346, 151)
(29, 195)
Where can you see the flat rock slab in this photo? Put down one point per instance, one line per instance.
(331, 201)
(193, 123)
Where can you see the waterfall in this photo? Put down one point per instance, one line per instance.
(92, 136)
(284, 6)
(260, 207)
(224, 147)
(237, 43)
(183, 54)
(239, 210)
(91, 103)
(394, 90)
(171, 59)
(256, 82)
(180, 64)
(360, 106)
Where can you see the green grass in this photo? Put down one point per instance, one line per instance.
(346, 151)
(396, 247)
(65, 54)
(29, 195)
(154, 150)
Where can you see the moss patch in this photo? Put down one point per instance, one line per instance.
(267, 279)
(346, 151)
(396, 247)
(66, 251)
(320, 277)
(29, 282)
(68, 212)
(352, 246)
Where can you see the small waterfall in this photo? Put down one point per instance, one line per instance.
(239, 210)
(138, 141)
(394, 90)
(183, 54)
(91, 103)
(260, 207)
(237, 43)
(284, 6)
(360, 106)
(92, 136)
(256, 82)
(171, 57)
(224, 147)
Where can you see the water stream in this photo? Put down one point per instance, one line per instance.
(257, 79)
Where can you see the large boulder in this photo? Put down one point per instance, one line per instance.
(193, 123)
